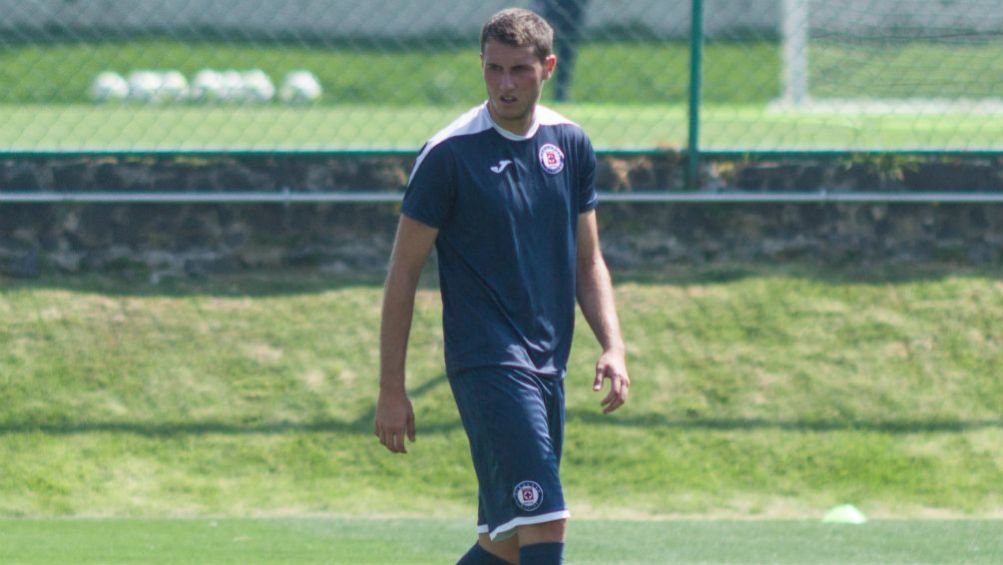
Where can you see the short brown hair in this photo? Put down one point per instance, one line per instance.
(518, 27)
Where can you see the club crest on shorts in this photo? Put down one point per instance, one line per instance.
(552, 158)
(528, 495)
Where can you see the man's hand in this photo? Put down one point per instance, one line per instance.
(612, 366)
(394, 419)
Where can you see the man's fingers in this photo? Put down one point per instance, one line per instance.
(612, 402)
(619, 387)
(613, 406)
(609, 397)
(387, 437)
(614, 390)
(393, 437)
(600, 373)
(411, 432)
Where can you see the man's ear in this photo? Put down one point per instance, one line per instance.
(548, 65)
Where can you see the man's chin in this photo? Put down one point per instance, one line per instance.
(509, 113)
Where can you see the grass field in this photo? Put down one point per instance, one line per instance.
(86, 127)
(415, 75)
(627, 94)
(629, 72)
(229, 421)
(250, 395)
(344, 541)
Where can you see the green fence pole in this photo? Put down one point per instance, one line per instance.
(696, 63)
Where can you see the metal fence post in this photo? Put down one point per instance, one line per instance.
(696, 62)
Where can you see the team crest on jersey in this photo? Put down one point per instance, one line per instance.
(552, 158)
(528, 495)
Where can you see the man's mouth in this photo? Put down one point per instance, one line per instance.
(507, 99)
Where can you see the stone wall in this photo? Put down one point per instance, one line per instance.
(157, 240)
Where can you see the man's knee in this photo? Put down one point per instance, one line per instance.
(545, 532)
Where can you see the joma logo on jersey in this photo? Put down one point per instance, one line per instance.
(501, 166)
(552, 158)
(528, 495)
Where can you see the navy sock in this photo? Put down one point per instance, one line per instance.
(541, 554)
(480, 556)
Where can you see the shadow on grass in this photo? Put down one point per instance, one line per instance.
(652, 421)
(360, 425)
(175, 429)
(850, 273)
(363, 425)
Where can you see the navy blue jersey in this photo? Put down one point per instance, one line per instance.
(507, 209)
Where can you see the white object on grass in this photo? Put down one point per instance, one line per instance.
(844, 514)
(257, 86)
(109, 87)
(300, 87)
(145, 86)
(173, 86)
(233, 86)
(207, 86)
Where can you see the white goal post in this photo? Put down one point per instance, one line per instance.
(795, 51)
(888, 56)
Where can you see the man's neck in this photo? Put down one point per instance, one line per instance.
(516, 126)
(519, 128)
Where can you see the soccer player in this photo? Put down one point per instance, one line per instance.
(506, 194)
(567, 18)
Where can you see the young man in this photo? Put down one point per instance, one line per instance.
(506, 193)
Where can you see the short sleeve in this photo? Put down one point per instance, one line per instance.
(431, 190)
(588, 199)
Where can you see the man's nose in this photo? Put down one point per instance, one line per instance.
(507, 80)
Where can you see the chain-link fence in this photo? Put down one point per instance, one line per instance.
(776, 75)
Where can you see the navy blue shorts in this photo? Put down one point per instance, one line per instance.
(515, 423)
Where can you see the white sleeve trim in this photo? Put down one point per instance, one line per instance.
(548, 117)
(523, 521)
(473, 121)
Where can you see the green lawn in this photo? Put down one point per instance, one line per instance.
(758, 392)
(628, 94)
(86, 127)
(631, 72)
(608, 71)
(346, 541)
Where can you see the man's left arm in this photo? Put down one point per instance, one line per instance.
(595, 296)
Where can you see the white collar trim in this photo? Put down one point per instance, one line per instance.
(535, 125)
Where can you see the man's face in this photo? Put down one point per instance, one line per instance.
(514, 77)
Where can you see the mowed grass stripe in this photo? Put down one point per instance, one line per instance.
(348, 541)
(354, 127)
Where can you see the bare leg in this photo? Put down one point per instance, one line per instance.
(546, 532)
(507, 549)
(542, 544)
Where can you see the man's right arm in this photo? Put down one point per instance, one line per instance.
(394, 414)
